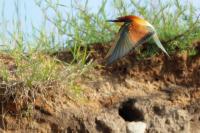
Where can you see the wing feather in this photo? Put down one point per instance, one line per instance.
(130, 36)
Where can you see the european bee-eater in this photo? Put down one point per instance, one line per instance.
(133, 32)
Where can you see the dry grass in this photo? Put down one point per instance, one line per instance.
(27, 78)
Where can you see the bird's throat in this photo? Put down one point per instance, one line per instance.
(120, 23)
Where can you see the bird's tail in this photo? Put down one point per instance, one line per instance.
(158, 43)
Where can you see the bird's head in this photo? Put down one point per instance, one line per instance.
(129, 19)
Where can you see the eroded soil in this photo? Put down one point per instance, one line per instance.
(160, 91)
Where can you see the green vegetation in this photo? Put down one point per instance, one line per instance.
(177, 25)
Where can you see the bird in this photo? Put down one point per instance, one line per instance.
(134, 31)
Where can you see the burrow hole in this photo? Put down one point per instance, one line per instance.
(129, 112)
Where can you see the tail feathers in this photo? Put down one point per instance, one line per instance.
(158, 43)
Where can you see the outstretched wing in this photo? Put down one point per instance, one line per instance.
(129, 36)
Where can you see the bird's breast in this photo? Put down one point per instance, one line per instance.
(137, 32)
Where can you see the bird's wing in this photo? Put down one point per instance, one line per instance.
(130, 36)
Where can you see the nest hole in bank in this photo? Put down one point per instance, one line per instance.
(129, 112)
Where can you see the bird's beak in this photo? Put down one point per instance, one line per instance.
(112, 20)
(120, 23)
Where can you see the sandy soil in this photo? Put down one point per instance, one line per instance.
(162, 92)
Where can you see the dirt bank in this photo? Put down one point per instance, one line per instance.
(163, 93)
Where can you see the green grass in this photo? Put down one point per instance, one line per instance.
(177, 25)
